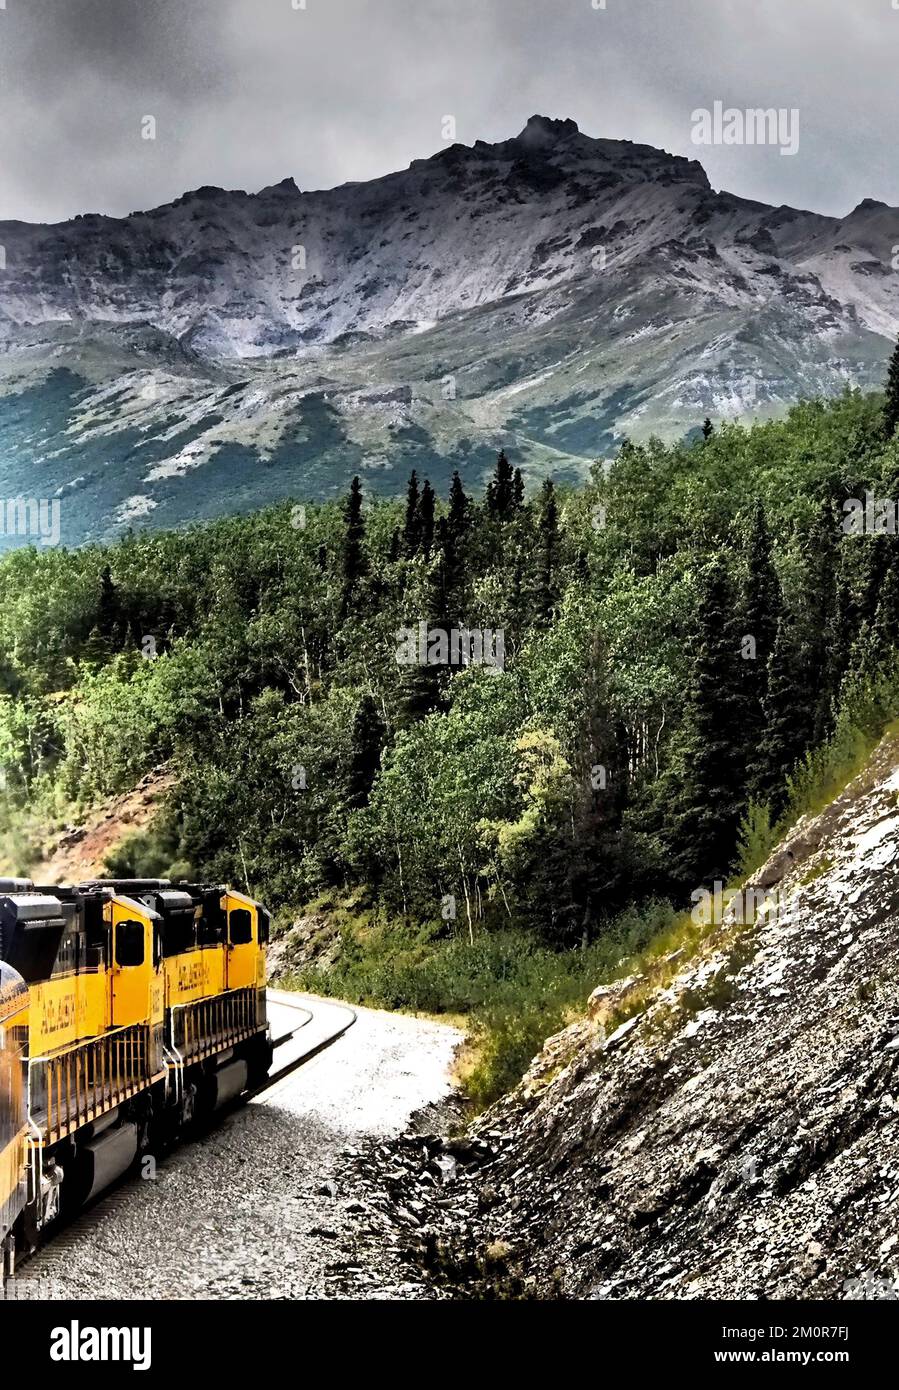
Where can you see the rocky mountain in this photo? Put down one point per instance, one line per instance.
(725, 1125)
(551, 292)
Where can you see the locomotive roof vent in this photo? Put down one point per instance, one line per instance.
(33, 907)
(172, 900)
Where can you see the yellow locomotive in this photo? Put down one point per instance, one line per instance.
(13, 1113)
(129, 1009)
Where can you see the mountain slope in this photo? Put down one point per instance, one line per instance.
(736, 1138)
(549, 292)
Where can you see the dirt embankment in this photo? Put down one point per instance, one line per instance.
(80, 851)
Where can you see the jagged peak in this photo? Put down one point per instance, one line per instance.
(869, 205)
(286, 188)
(547, 130)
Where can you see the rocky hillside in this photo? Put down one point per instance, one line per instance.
(80, 851)
(550, 292)
(727, 1129)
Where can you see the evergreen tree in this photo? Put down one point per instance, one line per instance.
(879, 631)
(708, 429)
(422, 684)
(891, 406)
(458, 514)
(367, 740)
(886, 620)
(453, 536)
(412, 525)
(546, 593)
(426, 518)
(842, 625)
(789, 715)
(500, 490)
(803, 677)
(758, 611)
(875, 566)
(109, 613)
(712, 771)
(600, 844)
(517, 490)
(817, 597)
(354, 562)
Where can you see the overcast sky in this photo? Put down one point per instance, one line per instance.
(246, 92)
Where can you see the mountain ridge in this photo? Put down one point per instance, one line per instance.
(552, 293)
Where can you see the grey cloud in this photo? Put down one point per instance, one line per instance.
(246, 92)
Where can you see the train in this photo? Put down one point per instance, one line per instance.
(130, 1011)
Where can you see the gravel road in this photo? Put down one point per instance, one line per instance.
(264, 1206)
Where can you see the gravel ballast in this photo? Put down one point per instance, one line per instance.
(264, 1206)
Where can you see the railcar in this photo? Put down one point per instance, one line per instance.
(13, 1109)
(145, 1012)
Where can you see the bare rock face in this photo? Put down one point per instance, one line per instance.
(739, 1137)
(81, 851)
(310, 940)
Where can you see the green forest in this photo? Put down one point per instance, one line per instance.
(696, 647)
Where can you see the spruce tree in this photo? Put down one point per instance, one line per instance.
(803, 674)
(422, 683)
(600, 846)
(452, 538)
(109, 613)
(817, 597)
(412, 524)
(758, 611)
(457, 516)
(842, 625)
(891, 405)
(546, 593)
(712, 773)
(886, 621)
(789, 715)
(354, 562)
(367, 740)
(500, 489)
(881, 631)
(426, 518)
(517, 490)
(708, 429)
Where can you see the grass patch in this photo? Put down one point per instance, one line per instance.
(869, 712)
(817, 870)
(513, 992)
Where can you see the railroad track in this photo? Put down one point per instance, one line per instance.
(275, 1080)
(48, 1261)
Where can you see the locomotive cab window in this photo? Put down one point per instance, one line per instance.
(241, 927)
(129, 943)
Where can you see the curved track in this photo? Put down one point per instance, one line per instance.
(280, 1005)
